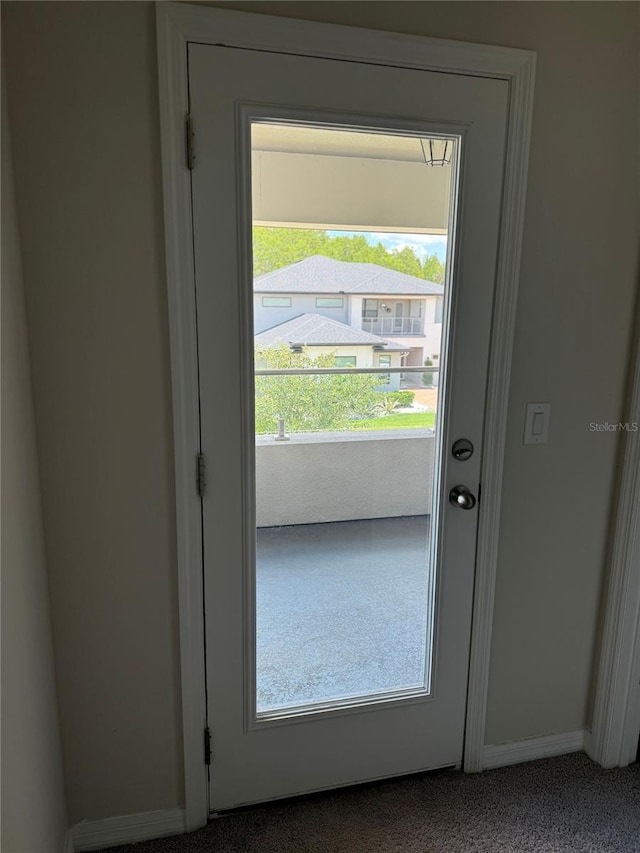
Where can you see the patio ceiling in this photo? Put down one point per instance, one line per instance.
(361, 181)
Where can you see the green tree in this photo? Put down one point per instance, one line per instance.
(433, 269)
(309, 403)
(274, 248)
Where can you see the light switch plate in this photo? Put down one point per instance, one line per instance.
(536, 423)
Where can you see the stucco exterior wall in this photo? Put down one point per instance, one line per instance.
(302, 303)
(343, 476)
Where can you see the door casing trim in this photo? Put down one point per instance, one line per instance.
(613, 740)
(177, 25)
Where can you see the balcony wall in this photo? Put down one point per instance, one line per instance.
(344, 476)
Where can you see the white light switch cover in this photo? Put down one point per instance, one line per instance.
(536, 423)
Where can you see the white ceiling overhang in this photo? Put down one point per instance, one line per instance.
(350, 180)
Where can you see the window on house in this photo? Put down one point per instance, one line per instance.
(384, 361)
(276, 301)
(369, 307)
(345, 361)
(329, 302)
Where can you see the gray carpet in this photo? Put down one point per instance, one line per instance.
(559, 805)
(342, 609)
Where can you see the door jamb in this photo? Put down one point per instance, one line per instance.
(177, 25)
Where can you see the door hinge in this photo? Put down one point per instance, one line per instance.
(190, 139)
(207, 746)
(201, 475)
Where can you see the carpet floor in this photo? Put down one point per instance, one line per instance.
(558, 805)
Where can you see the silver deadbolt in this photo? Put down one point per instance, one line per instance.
(462, 449)
(461, 497)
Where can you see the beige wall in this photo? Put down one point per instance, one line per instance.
(84, 114)
(34, 818)
(83, 98)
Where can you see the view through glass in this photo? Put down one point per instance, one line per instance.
(349, 249)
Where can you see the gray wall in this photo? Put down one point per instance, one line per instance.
(343, 476)
(34, 814)
(82, 83)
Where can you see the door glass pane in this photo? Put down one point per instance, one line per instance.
(348, 336)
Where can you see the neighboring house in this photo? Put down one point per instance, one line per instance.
(353, 347)
(397, 309)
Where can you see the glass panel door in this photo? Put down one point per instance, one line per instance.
(346, 468)
(338, 576)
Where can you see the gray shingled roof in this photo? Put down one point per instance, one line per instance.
(318, 274)
(316, 330)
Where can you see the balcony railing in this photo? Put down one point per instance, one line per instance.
(393, 325)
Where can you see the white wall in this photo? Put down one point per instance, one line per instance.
(82, 82)
(355, 312)
(432, 340)
(34, 818)
(429, 308)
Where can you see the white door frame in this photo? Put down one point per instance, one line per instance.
(177, 25)
(613, 740)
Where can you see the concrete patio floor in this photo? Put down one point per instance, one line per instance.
(342, 609)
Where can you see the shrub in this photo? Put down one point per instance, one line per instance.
(386, 405)
(309, 403)
(404, 399)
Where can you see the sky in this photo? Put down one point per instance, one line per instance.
(422, 244)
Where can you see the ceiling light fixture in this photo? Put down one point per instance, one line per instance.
(439, 153)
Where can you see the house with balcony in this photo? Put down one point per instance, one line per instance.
(400, 314)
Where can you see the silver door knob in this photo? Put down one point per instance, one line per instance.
(461, 497)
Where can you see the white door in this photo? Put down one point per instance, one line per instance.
(338, 598)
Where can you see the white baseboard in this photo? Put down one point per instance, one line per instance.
(68, 843)
(533, 748)
(96, 834)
